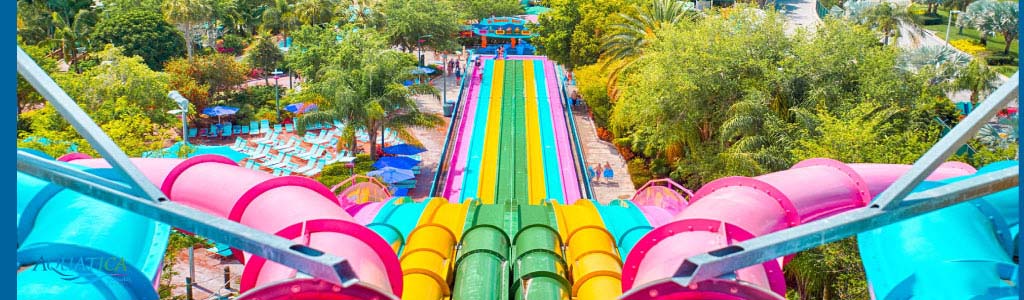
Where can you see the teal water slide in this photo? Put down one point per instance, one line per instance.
(71, 246)
(960, 252)
(471, 177)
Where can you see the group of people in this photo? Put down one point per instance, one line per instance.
(456, 66)
(597, 171)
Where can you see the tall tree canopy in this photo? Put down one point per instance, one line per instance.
(142, 33)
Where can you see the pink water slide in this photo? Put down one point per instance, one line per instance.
(292, 207)
(570, 187)
(457, 164)
(733, 209)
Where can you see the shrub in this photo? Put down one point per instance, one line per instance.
(1001, 60)
(604, 134)
(639, 172)
(968, 46)
(928, 19)
(231, 44)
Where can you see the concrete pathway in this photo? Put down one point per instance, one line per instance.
(596, 151)
(431, 138)
(799, 14)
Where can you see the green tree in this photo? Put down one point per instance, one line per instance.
(187, 14)
(142, 33)
(279, 17)
(481, 9)
(217, 73)
(264, 55)
(572, 31)
(408, 21)
(978, 78)
(371, 97)
(634, 33)
(992, 17)
(73, 33)
(314, 12)
(886, 17)
(35, 25)
(27, 96)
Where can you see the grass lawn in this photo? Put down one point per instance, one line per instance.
(995, 43)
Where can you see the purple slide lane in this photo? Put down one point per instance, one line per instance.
(734, 209)
(457, 169)
(571, 188)
(216, 185)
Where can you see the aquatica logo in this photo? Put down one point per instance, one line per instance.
(85, 269)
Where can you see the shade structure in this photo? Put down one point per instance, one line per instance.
(395, 162)
(423, 70)
(301, 107)
(404, 149)
(392, 175)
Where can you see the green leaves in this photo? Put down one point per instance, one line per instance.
(409, 21)
(142, 33)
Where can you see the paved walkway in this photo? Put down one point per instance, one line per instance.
(799, 14)
(597, 151)
(431, 138)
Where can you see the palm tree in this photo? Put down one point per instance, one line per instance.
(187, 14)
(978, 78)
(633, 34)
(887, 18)
(991, 17)
(371, 97)
(279, 17)
(73, 33)
(314, 12)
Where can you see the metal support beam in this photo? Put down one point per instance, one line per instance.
(286, 252)
(86, 127)
(946, 146)
(784, 242)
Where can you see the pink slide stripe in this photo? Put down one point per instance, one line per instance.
(457, 168)
(571, 188)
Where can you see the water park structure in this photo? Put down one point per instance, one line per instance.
(510, 216)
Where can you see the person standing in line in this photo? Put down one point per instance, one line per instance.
(608, 172)
(599, 170)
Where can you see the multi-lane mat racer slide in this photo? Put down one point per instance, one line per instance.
(510, 221)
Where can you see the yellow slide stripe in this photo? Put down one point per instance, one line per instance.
(535, 158)
(489, 169)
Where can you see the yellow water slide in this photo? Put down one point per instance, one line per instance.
(429, 254)
(534, 154)
(594, 264)
(489, 163)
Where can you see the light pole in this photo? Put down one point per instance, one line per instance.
(950, 22)
(444, 79)
(419, 44)
(277, 94)
(183, 109)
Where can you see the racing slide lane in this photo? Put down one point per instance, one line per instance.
(458, 164)
(590, 252)
(552, 174)
(429, 255)
(511, 182)
(733, 209)
(959, 252)
(485, 188)
(538, 270)
(76, 247)
(534, 147)
(482, 264)
(214, 184)
(570, 187)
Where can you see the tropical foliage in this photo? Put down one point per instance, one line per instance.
(142, 33)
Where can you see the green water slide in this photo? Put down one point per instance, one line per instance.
(512, 181)
(538, 269)
(481, 264)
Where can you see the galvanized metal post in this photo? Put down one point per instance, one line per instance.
(191, 262)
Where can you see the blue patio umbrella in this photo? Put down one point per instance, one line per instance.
(422, 70)
(301, 107)
(220, 110)
(396, 162)
(404, 149)
(392, 175)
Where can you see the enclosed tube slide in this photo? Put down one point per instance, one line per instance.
(214, 184)
(734, 209)
(626, 222)
(590, 251)
(958, 252)
(482, 263)
(429, 255)
(538, 270)
(71, 246)
(396, 220)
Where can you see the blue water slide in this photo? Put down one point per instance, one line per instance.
(474, 159)
(71, 246)
(552, 173)
(625, 222)
(959, 252)
(396, 219)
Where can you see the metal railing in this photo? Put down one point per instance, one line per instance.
(142, 197)
(443, 163)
